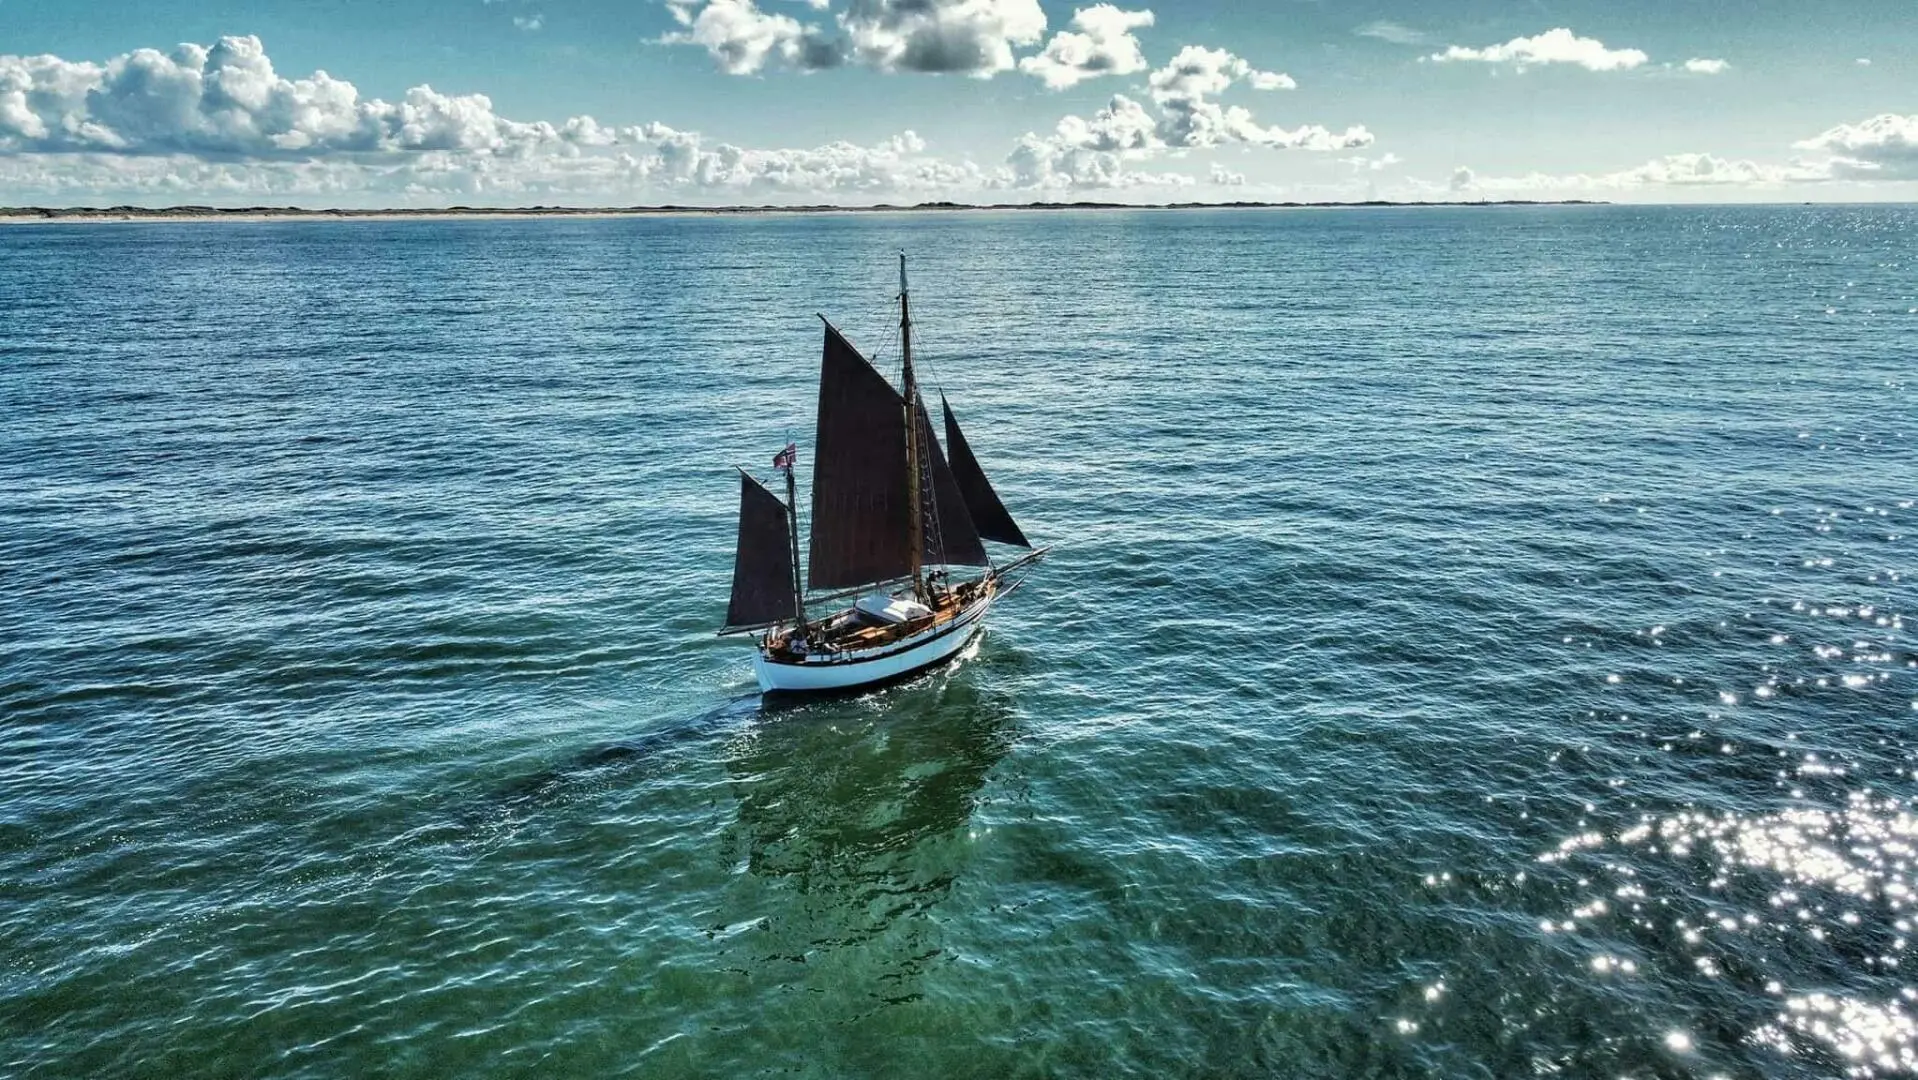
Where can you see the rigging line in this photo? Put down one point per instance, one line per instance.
(890, 309)
(932, 367)
(932, 537)
(928, 497)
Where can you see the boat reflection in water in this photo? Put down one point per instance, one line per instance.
(854, 820)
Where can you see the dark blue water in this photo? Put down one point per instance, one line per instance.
(1474, 648)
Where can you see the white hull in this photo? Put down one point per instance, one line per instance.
(851, 669)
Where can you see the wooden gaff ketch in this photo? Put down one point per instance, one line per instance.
(891, 516)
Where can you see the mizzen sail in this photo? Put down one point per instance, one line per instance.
(989, 515)
(763, 565)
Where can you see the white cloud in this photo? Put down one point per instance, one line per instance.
(742, 39)
(1557, 46)
(1092, 152)
(651, 162)
(1670, 171)
(1393, 32)
(970, 37)
(586, 131)
(1198, 72)
(1364, 164)
(529, 22)
(1863, 61)
(1708, 169)
(226, 100)
(1885, 147)
(219, 122)
(1188, 117)
(1225, 177)
(682, 158)
(1123, 126)
(1699, 66)
(1051, 163)
(1101, 44)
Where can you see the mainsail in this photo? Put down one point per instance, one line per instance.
(858, 474)
(763, 565)
(988, 514)
(860, 527)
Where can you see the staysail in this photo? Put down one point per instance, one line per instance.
(763, 565)
(989, 515)
(956, 543)
(860, 529)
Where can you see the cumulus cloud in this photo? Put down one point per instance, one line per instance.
(743, 39)
(1463, 179)
(1557, 46)
(1188, 117)
(1884, 147)
(529, 22)
(1123, 126)
(1225, 177)
(651, 162)
(1700, 66)
(971, 37)
(227, 100)
(1198, 71)
(682, 158)
(1093, 151)
(1709, 169)
(1101, 43)
(1050, 163)
(218, 121)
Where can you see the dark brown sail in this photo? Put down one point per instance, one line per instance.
(859, 510)
(989, 515)
(763, 565)
(957, 542)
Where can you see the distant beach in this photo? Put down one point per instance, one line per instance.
(16, 214)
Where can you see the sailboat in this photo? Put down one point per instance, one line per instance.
(893, 518)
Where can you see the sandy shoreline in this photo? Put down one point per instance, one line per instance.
(40, 214)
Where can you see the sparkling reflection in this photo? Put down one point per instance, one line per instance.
(1804, 889)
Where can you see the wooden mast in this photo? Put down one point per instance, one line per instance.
(792, 518)
(916, 531)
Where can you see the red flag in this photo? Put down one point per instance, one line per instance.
(786, 458)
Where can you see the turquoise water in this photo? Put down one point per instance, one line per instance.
(1474, 648)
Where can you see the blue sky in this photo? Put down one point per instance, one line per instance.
(434, 102)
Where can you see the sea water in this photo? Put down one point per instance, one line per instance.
(1476, 645)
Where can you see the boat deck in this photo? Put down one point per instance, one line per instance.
(844, 632)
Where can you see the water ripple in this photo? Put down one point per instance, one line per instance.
(1478, 646)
